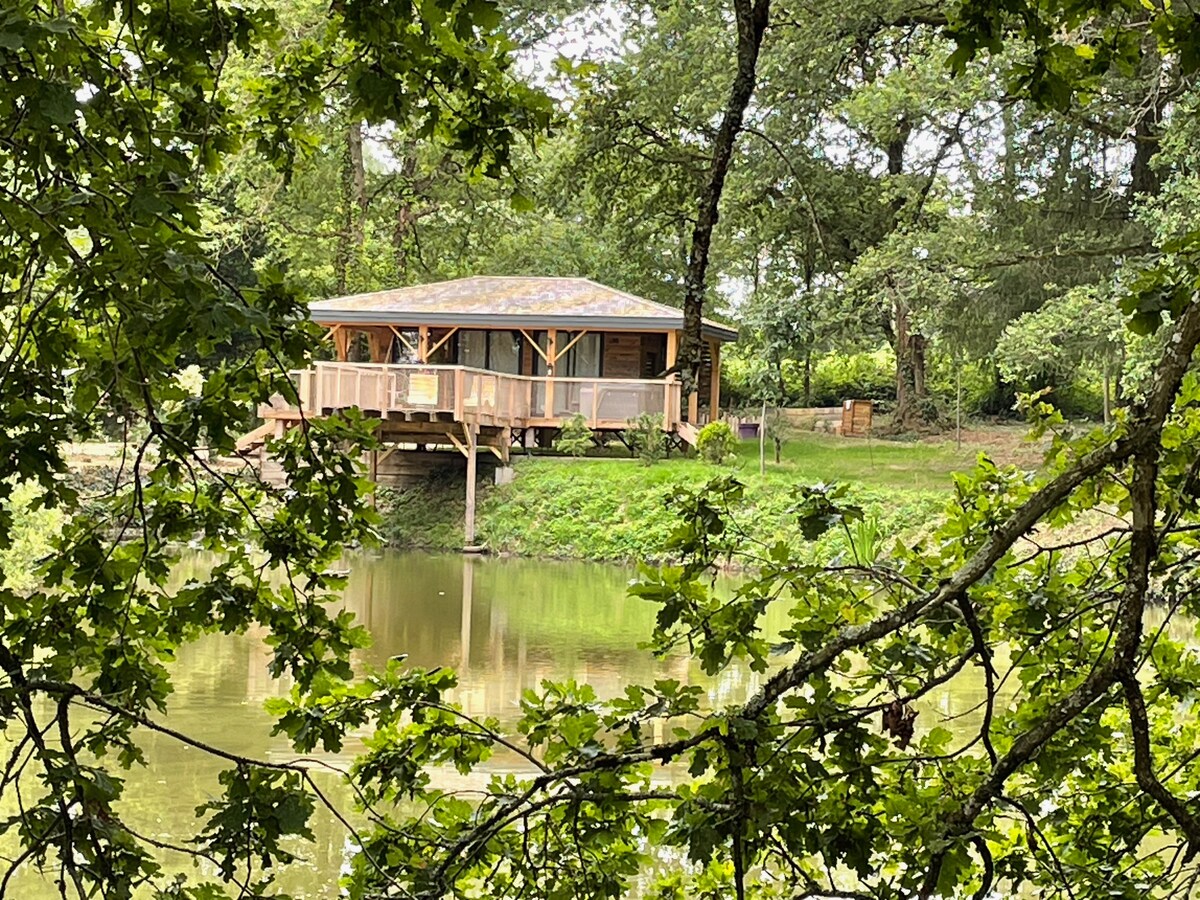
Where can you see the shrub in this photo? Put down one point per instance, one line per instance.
(647, 439)
(854, 376)
(575, 438)
(716, 442)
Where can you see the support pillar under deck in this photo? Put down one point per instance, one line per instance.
(472, 436)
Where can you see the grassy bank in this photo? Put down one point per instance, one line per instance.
(616, 509)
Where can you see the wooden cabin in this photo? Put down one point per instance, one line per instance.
(494, 361)
(516, 352)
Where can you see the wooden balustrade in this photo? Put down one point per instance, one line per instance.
(486, 398)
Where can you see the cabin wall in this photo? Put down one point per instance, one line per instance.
(622, 355)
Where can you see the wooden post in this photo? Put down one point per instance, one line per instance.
(672, 359)
(469, 525)
(341, 342)
(551, 365)
(380, 342)
(714, 388)
(423, 344)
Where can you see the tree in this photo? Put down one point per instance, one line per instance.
(822, 783)
(113, 118)
(1047, 347)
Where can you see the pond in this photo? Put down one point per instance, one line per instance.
(503, 624)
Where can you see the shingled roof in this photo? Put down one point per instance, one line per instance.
(516, 301)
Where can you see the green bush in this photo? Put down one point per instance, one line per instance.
(853, 376)
(647, 438)
(575, 438)
(716, 443)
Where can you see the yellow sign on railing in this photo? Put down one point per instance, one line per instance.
(423, 389)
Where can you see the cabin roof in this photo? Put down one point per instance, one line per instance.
(487, 301)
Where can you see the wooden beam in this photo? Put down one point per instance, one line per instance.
(552, 356)
(341, 343)
(462, 448)
(469, 525)
(397, 430)
(423, 344)
(714, 387)
(536, 347)
(672, 348)
(694, 407)
(403, 340)
(575, 340)
(438, 346)
(379, 341)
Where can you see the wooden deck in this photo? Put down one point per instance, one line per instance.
(423, 393)
(461, 409)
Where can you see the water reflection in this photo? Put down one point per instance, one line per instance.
(504, 624)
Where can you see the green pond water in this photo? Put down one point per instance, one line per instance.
(504, 624)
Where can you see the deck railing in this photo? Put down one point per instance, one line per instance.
(486, 398)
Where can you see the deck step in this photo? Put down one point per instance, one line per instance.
(688, 432)
(256, 438)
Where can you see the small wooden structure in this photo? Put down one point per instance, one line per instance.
(484, 362)
(856, 418)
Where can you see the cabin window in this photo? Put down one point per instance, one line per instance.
(472, 348)
(401, 352)
(504, 352)
(496, 351)
(581, 361)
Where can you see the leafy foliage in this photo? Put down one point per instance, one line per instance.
(647, 439)
(830, 771)
(892, 204)
(1049, 345)
(116, 315)
(575, 437)
(716, 443)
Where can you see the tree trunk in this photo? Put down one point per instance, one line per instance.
(912, 405)
(1147, 130)
(751, 16)
(354, 207)
(1143, 179)
(911, 399)
(405, 222)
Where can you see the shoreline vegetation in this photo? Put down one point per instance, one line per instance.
(616, 510)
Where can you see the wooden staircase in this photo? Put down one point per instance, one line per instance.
(251, 441)
(689, 432)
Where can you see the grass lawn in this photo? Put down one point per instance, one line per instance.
(819, 457)
(618, 509)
